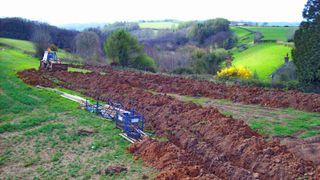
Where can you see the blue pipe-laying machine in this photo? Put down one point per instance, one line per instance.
(131, 122)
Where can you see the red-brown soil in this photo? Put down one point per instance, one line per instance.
(203, 144)
(244, 94)
(308, 149)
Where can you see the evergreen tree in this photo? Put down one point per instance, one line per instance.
(124, 49)
(306, 54)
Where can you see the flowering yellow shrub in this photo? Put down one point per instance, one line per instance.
(237, 72)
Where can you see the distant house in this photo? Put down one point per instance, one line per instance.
(285, 72)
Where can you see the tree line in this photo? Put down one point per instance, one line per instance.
(306, 54)
(18, 28)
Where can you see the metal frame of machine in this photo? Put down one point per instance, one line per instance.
(131, 122)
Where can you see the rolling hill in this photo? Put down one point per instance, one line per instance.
(28, 47)
(274, 33)
(262, 58)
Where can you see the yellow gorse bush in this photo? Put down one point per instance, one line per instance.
(237, 72)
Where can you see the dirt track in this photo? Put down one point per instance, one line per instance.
(203, 143)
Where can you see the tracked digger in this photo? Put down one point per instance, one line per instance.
(50, 62)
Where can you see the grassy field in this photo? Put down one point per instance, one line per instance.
(273, 33)
(159, 25)
(39, 136)
(22, 45)
(263, 58)
(28, 47)
(240, 31)
(244, 36)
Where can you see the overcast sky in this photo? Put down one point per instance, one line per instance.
(59, 12)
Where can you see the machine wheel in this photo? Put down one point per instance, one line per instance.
(43, 66)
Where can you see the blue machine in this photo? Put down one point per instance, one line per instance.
(131, 122)
(51, 62)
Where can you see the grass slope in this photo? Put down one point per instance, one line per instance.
(240, 31)
(28, 47)
(22, 45)
(263, 58)
(39, 133)
(273, 33)
(244, 36)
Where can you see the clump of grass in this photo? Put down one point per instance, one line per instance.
(228, 113)
(74, 168)
(26, 123)
(280, 130)
(197, 100)
(309, 134)
(47, 129)
(29, 161)
(70, 69)
(56, 156)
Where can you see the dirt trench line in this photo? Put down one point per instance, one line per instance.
(219, 145)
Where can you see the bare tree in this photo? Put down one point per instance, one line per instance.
(87, 45)
(41, 39)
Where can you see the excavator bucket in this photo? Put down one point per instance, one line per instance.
(59, 67)
(53, 67)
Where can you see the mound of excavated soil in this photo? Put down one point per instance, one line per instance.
(184, 86)
(202, 142)
(308, 149)
(34, 78)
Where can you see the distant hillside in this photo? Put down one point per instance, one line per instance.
(28, 48)
(82, 26)
(247, 33)
(274, 33)
(18, 28)
(263, 58)
(248, 23)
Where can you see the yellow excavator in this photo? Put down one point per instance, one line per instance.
(51, 62)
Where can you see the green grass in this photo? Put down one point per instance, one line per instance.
(244, 36)
(22, 45)
(239, 31)
(28, 47)
(310, 134)
(159, 25)
(273, 33)
(70, 69)
(227, 113)
(38, 133)
(263, 58)
(195, 99)
(299, 121)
